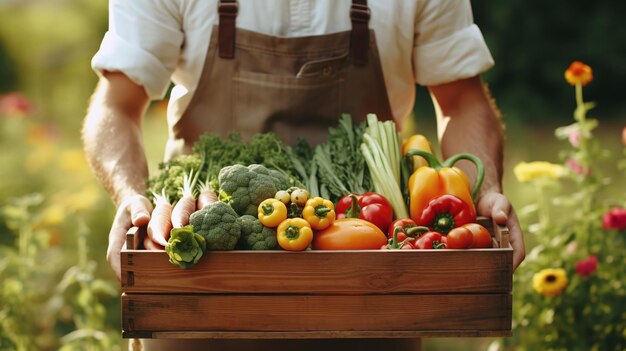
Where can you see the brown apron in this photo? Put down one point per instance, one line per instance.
(294, 87)
(299, 86)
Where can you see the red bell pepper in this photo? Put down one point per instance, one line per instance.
(404, 242)
(430, 240)
(406, 226)
(369, 206)
(445, 213)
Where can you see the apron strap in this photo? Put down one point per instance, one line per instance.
(360, 34)
(227, 10)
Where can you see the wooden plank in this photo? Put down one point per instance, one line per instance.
(324, 272)
(443, 314)
(346, 334)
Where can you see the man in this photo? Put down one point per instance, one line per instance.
(291, 67)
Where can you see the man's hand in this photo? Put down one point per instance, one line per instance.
(134, 210)
(498, 207)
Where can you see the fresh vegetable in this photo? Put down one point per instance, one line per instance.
(170, 176)
(427, 183)
(187, 203)
(350, 234)
(381, 150)
(339, 163)
(206, 195)
(430, 240)
(219, 225)
(184, 247)
(160, 223)
(459, 238)
(256, 236)
(283, 196)
(481, 236)
(299, 196)
(416, 141)
(294, 234)
(370, 206)
(319, 212)
(406, 243)
(446, 212)
(407, 228)
(244, 188)
(271, 212)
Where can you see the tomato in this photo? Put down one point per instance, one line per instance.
(349, 234)
(459, 238)
(482, 238)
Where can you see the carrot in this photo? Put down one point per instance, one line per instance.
(160, 224)
(207, 195)
(187, 203)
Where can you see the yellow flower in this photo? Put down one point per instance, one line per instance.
(527, 171)
(578, 73)
(550, 281)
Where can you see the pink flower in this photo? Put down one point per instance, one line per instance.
(624, 136)
(576, 167)
(574, 137)
(587, 266)
(571, 247)
(15, 104)
(615, 219)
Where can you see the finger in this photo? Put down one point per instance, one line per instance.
(148, 244)
(140, 209)
(496, 206)
(516, 238)
(117, 234)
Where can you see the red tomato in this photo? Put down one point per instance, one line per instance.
(459, 238)
(482, 238)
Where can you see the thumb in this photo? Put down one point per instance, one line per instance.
(140, 209)
(496, 206)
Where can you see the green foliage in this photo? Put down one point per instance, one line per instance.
(185, 248)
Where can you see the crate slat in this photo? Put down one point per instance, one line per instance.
(411, 315)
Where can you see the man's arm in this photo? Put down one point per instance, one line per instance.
(468, 121)
(113, 145)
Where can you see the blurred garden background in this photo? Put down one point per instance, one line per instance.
(57, 291)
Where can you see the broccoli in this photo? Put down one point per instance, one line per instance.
(244, 188)
(185, 248)
(256, 236)
(219, 226)
(171, 176)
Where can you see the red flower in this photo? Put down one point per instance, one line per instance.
(587, 266)
(15, 104)
(615, 219)
(578, 73)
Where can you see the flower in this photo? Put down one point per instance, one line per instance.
(576, 167)
(550, 281)
(15, 104)
(614, 219)
(624, 136)
(527, 171)
(574, 137)
(578, 73)
(586, 266)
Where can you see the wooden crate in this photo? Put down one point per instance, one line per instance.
(319, 294)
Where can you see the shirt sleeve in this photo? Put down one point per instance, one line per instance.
(448, 45)
(143, 41)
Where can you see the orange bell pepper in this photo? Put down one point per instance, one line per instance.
(417, 141)
(428, 183)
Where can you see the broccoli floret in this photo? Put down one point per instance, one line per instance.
(171, 176)
(256, 236)
(218, 224)
(244, 188)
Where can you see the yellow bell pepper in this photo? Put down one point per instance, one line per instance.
(294, 234)
(417, 141)
(271, 212)
(428, 183)
(319, 212)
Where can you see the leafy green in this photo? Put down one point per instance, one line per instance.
(185, 248)
(171, 175)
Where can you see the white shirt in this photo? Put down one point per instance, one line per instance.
(155, 42)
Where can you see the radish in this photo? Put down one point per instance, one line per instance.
(207, 195)
(160, 224)
(187, 203)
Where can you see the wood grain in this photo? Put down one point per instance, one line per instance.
(441, 314)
